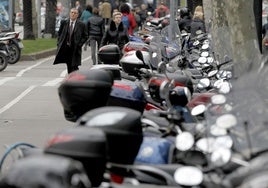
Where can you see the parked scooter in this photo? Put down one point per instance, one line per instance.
(3, 54)
(13, 46)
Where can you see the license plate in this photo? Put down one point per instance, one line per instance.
(20, 44)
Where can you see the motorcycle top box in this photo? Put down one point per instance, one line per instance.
(123, 130)
(127, 94)
(131, 64)
(109, 54)
(84, 145)
(82, 91)
(114, 69)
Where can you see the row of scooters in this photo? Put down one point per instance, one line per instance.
(143, 122)
(10, 49)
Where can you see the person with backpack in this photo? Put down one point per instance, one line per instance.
(128, 18)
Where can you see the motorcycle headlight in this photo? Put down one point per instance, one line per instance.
(188, 176)
(206, 144)
(226, 121)
(221, 156)
(224, 142)
(218, 99)
(199, 109)
(203, 83)
(184, 141)
(204, 54)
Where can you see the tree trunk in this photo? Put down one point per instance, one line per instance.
(190, 5)
(27, 20)
(50, 21)
(234, 33)
(258, 18)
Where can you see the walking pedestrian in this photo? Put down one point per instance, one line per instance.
(161, 11)
(79, 8)
(151, 7)
(116, 32)
(86, 14)
(106, 11)
(143, 13)
(185, 20)
(128, 18)
(72, 35)
(137, 17)
(95, 30)
(198, 23)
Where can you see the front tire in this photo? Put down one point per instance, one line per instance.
(14, 54)
(3, 62)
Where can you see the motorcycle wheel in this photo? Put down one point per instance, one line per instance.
(14, 53)
(3, 62)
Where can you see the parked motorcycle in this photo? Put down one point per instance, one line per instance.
(13, 46)
(45, 171)
(212, 148)
(3, 53)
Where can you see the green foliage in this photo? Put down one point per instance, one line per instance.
(38, 45)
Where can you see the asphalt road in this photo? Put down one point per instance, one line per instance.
(30, 110)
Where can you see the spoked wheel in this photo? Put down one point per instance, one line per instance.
(3, 61)
(14, 54)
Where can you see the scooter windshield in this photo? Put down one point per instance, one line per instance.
(249, 89)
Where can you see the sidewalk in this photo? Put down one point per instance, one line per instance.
(39, 55)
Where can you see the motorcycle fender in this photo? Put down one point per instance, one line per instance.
(18, 43)
(3, 52)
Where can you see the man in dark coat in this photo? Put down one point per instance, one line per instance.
(71, 37)
(185, 20)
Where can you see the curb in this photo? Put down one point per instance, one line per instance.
(39, 55)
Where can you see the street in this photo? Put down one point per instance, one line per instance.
(30, 110)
